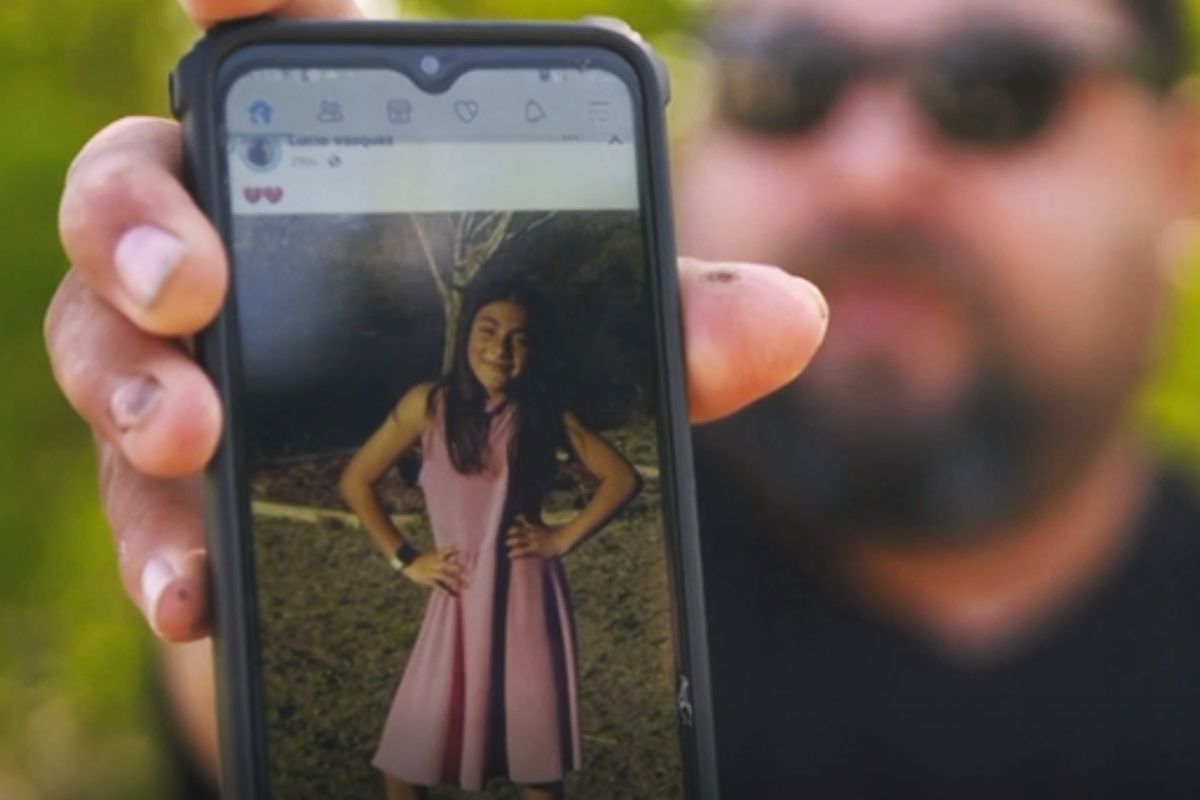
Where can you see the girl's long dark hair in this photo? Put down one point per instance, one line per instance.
(539, 417)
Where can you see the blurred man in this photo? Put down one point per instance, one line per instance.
(939, 563)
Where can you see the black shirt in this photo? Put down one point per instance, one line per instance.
(815, 698)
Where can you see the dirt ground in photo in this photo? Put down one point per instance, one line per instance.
(338, 624)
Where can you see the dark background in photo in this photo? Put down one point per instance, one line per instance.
(347, 316)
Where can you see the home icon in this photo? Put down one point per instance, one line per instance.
(261, 112)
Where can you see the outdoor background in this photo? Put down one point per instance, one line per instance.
(79, 715)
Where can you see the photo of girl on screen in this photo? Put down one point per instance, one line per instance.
(490, 687)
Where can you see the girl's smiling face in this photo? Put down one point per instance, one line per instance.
(498, 345)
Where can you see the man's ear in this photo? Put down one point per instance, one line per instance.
(1183, 150)
(1181, 175)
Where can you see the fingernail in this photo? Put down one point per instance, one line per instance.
(145, 258)
(174, 574)
(822, 303)
(157, 574)
(133, 400)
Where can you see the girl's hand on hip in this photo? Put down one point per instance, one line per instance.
(526, 539)
(148, 270)
(438, 570)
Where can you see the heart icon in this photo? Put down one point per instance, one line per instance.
(273, 194)
(252, 193)
(466, 110)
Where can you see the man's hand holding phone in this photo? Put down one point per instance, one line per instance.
(148, 271)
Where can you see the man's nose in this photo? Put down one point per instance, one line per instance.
(878, 158)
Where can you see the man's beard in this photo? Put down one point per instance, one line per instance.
(977, 466)
(995, 454)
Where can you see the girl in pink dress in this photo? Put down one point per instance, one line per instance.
(490, 686)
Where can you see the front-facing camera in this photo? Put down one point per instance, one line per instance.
(430, 65)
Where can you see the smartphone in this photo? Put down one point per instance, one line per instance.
(452, 532)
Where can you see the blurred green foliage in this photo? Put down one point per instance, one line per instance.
(73, 661)
(77, 707)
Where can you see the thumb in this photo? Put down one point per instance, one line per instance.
(748, 330)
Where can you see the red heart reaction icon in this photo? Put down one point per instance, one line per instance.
(272, 194)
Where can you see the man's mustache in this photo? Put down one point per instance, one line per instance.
(907, 252)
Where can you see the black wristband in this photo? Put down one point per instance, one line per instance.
(406, 554)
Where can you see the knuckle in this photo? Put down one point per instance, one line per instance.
(70, 329)
(111, 183)
(133, 510)
(109, 138)
(60, 304)
(108, 460)
(80, 383)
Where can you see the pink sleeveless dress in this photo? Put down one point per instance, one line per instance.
(490, 686)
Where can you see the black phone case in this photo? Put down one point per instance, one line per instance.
(194, 99)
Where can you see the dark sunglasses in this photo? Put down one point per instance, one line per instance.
(984, 87)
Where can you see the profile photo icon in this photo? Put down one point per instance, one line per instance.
(261, 153)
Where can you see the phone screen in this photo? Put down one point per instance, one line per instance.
(448, 336)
